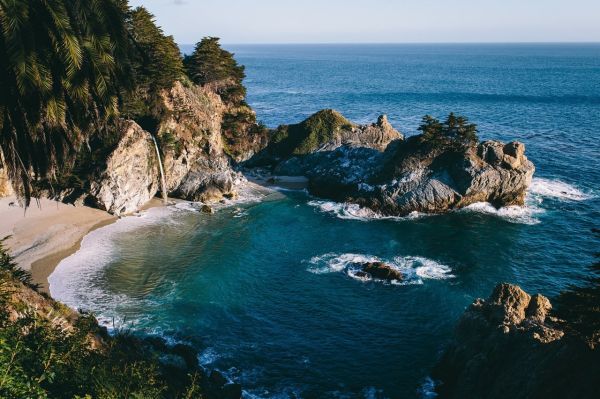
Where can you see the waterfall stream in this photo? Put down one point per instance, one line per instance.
(162, 172)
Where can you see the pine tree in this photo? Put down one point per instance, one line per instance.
(157, 64)
(210, 64)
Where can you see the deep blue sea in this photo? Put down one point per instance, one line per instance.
(261, 287)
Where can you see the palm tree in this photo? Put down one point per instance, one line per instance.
(62, 66)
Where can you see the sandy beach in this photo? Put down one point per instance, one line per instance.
(44, 234)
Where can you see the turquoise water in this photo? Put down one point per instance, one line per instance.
(261, 287)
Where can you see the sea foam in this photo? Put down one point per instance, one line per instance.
(415, 269)
(552, 188)
(356, 212)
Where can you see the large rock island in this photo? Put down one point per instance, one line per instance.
(444, 168)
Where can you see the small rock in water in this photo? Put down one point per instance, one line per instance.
(207, 209)
(379, 270)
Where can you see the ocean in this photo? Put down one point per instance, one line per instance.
(261, 288)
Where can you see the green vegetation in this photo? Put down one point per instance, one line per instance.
(48, 351)
(63, 65)
(210, 64)
(455, 131)
(157, 64)
(307, 136)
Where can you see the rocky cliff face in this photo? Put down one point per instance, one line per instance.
(130, 178)
(413, 175)
(196, 165)
(511, 346)
(193, 156)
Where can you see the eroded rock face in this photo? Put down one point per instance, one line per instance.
(195, 162)
(511, 346)
(323, 132)
(131, 176)
(410, 176)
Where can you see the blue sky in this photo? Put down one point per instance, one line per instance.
(385, 21)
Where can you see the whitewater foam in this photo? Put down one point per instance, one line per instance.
(356, 212)
(415, 269)
(73, 282)
(514, 214)
(557, 189)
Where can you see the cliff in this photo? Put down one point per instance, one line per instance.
(513, 345)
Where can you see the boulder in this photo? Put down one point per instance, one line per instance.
(131, 175)
(380, 271)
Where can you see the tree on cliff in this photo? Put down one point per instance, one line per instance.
(157, 64)
(210, 64)
(454, 131)
(63, 65)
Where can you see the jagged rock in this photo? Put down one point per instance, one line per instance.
(130, 178)
(410, 175)
(509, 346)
(195, 162)
(381, 271)
(325, 131)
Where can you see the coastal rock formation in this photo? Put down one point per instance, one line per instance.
(409, 175)
(511, 346)
(378, 270)
(130, 178)
(196, 165)
(323, 132)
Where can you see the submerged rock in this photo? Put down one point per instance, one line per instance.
(511, 346)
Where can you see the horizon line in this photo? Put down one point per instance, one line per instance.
(391, 43)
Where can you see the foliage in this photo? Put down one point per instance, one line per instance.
(62, 67)
(40, 358)
(157, 64)
(209, 64)
(309, 135)
(454, 131)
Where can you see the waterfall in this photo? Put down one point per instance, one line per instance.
(162, 172)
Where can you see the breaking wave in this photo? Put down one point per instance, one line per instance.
(514, 214)
(356, 212)
(552, 188)
(414, 269)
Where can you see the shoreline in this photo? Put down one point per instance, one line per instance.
(40, 237)
(46, 233)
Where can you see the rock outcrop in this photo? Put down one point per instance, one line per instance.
(196, 165)
(379, 271)
(130, 178)
(323, 132)
(409, 175)
(511, 346)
